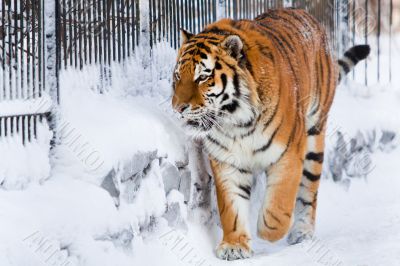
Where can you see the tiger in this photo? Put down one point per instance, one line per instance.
(257, 94)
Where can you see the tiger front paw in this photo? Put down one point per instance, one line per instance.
(227, 251)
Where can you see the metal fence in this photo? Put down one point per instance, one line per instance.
(105, 31)
(22, 67)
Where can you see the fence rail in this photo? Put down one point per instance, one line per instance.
(105, 31)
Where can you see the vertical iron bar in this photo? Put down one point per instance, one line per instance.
(379, 40)
(133, 27)
(34, 14)
(123, 33)
(79, 21)
(22, 42)
(90, 21)
(17, 65)
(40, 49)
(3, 50)
(198, 16)
(94, 30)
(64, 30)
(114, 35)
(10, 57)
(85, 36)
(137, 21)
(174, 23)
(159, 18)
(75, 35)
(153, 22)
(99, 32)
(126, 23)
(120, 45)
(178, 22)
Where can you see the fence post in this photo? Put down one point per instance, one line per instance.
(144, 39)
(52, 62)
(221, 9)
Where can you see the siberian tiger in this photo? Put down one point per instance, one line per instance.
(258, 93)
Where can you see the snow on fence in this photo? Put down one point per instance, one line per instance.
(105, 31)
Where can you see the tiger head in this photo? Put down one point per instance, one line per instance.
(211, 85)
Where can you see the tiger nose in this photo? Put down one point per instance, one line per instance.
(181, 108)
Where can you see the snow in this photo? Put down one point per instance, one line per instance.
(22, 164)
(63, 216)
(38, 105)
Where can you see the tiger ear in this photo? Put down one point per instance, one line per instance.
(185, 36)
(233, 46)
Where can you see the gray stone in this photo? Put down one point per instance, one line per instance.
(174, 216)
(109, 184)
(185, 184)
(121, 238)
(130, 189)
(171, 176)
(387, 141)
(137, 165)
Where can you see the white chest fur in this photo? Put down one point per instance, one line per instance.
(233, 147)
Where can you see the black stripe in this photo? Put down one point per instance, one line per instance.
(314, 131)
(224, 83)
(243, 196)
(230, 107)
(235, 223)
(236, 85)
(204, 37)
(310, 176)
(266, 146)
(216, 30)
(203, 55)
(304, 202)
(216, 142)
(250, 132)
(352, 57)
(241, 170)
(317, 157)
(344, 65)
(266, 224)
(327, 59)
(290, 140)
(189, 51)
(245, 189)
(202, 46)
(319, 80)
(274, 217)
(244, 125)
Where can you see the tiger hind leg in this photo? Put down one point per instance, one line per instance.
(306, 201)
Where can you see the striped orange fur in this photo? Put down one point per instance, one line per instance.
(258, 93)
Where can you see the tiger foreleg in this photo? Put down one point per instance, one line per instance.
(233, 188)
(276, 214)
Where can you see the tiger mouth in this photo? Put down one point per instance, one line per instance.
(198, 125)
(203, 123)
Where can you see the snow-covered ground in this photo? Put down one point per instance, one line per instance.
(69, 215)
